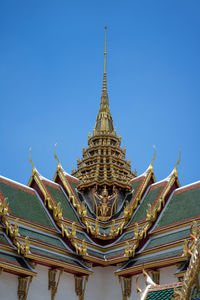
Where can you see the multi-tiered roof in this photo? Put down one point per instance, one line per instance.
(104, 162)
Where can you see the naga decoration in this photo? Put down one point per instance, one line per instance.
(191, 285)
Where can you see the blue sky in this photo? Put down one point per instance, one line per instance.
(51, 69)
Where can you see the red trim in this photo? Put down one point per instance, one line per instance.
(187, 188)
(161, 287)
(69, 178)
(162, 260)
(176, 223)
(138, 190)
(137, 179)
(52, 184)
(55, 259)
(17, 186)
(12, 263)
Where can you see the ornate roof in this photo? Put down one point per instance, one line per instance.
(102, 214)
(103, 162)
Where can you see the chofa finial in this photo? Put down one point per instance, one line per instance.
(56, 157)
(154, 156)
(30, 159)
(178, 162)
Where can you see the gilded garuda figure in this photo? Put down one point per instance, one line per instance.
(106, 203)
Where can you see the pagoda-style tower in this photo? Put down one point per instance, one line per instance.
(103, 165)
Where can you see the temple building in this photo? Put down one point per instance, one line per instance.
(103, 232)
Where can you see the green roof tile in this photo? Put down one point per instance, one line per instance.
(95, 253)
(164, 294)
(105, 254)
(181, 206)
(126, 236)
(115, 253)
(135, 186)
(150, 197)
(82, 236)
(80, 197)
(67, 210)
(13, 259)
(55, 255)
(3, 239)
(42, 237)
(155, 256)
(170, 237)
(74, 186)
(26, 205)
(130, 196)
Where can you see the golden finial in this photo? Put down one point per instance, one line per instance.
(30, 159)
(105, 53)
(178, 162)
(56, 157)
(154, 157)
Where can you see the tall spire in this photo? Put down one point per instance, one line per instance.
(104, 121)
(105, 51)
(104, 106)
(104, 72)
(103, 163)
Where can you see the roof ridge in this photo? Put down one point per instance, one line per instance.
(17, 183)
(187, 185)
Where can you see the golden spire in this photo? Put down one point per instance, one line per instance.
(104, 122)
(98, 171)
(104, 106)
(105, 53)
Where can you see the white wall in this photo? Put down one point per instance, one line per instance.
(8, 286)
(39, 286)
(167, 275)
(102, 285)
(141, 284)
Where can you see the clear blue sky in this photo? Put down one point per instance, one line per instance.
(51, 69)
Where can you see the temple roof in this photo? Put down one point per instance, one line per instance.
(101, 215)
(103, 162)
(162, 291)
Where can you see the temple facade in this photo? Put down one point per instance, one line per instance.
(102, 232)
